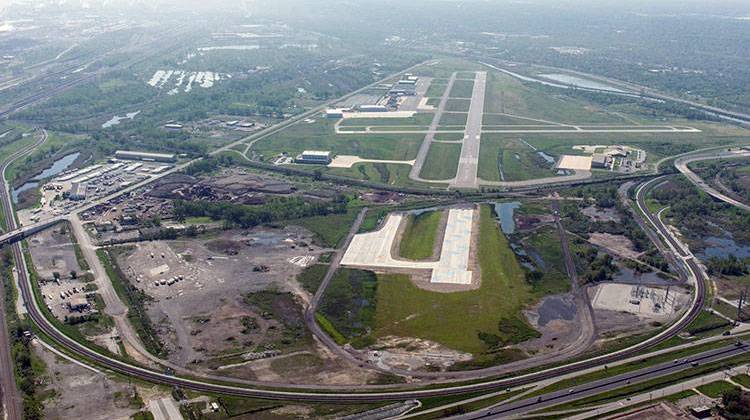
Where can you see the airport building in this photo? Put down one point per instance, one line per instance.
(78, 191)
(373, 108)
(334, 113)
(314, 157)
(599, 160)
(152, 157)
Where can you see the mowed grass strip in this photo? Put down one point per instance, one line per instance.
(715, 389)
(442, 161)
(453, 118)
(462, 89)
(457, 319)
(420, 235)
(458, 105)
(321, 136)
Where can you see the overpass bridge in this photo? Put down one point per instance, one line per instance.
(23, 232)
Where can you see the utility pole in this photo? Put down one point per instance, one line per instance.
(743, 299)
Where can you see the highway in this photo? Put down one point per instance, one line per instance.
(12, 401)
(533, 404)
(682, 165)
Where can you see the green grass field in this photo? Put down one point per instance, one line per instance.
(546, 243)
(457, 319)
(384, 173)
(329, 230)
(321, 136)
(742, 379)
(435, 90)
(519, 161)
(457, 105)
(442, 161)
(496, 119)
(420, 236)
(449, 136)
(716, 388)
(506, 94)
(450, 118)
(420, 119)
(462, 89)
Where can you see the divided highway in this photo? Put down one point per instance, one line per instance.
(682, 165)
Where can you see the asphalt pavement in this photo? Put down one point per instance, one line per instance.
(532, 404)
(468, 164)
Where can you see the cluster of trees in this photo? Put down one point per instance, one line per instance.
(728, 266)
(209, 164)
(350, 304)
(509, 331)
(737, 183)
(582, 225)
(26, 368)
(245, 216)
(735, 405)
(699, 215)
(654, 109)
(597, 267)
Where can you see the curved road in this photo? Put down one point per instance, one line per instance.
(594, 388)
(12, 401)
(323, 394)
(682, 165)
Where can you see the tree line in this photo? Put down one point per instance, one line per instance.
(246, 216)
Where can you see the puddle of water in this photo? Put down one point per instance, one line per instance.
(546, 157)
(27, 186)
(630, 276)
(723, 247)
(580, 82)
(505, 216)
(116, 119)
(57, 166)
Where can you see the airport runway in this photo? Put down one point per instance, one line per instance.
(468, 164)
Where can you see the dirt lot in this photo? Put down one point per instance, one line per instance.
(618, 244)
(236, 307)
(53, 251)
(79, 393)
(555, 317)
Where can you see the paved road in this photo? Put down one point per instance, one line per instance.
(551, 399)
(468, 164)
(416, 169)
(12, 401)
(682, 165)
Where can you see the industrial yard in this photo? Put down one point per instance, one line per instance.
(76, 188)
